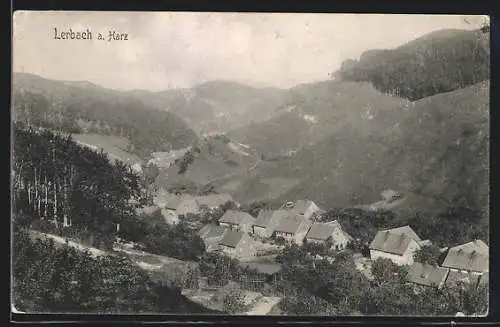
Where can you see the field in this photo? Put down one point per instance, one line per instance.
(115, 147)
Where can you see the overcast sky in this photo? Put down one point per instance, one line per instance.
(168, 50)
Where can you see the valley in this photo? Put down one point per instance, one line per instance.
(230, 198)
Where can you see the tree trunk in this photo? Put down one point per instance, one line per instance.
(55, 203)
(46, 184)
(36, 192)
(65, 203)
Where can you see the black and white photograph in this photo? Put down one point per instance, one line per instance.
(250, 164)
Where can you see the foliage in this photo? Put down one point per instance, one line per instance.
(306, 304)
(177, 241)
(234, 302)
(58, 181)
(186, 160)
(384, 271)
(429, 254)
(435, 63)
(50, 279)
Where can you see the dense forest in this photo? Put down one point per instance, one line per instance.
(71, 186)
(78, 109)
(62, 188)
(438, 62)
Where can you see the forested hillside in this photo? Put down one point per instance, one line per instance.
(434, 151)
(69, 190)
(314, 111)
(210, 159)
(438, 62)
(85, 108)
(217, 106)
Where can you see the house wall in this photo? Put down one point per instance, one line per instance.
(311, 210)
(301, 233)
(244, 250)
(230, 226)
(340, 240)
(187, 206)
(231, 252)
(410, 252)
(397, 259)
(289, 237)
(246, 225)
(260, 231)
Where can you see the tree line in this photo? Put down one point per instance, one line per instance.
(424, 67)
(69, 186)
(148, 129)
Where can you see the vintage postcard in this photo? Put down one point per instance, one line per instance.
(250, 164)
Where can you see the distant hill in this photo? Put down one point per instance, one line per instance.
(312, 112)
(216, 106)
(82, 107)
(434, 151)
(437, 62)
(214, 158)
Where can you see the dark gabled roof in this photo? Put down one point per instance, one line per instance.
(472, 256)
(290, 224)
(322, 231)
(394, 240)
(455, 277)
(265, 217)
(427, 275)
(232, 238)
(236, 217)
(211, 230)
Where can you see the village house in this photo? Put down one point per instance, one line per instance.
(322, 232)
(304, 208)
(397, 244)
(176, 204)
(237, 245)
(187, 205)
(293, 228)
(424, 274)
(472, 257)
(237, 220)
(170, 216)
(267, 221)
(213, 201)
(211, 235)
